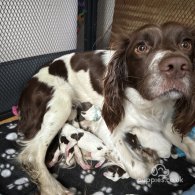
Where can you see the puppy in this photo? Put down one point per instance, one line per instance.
(82, 144)
(85, 141)
(147, 81)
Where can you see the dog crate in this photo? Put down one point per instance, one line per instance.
(32, 33)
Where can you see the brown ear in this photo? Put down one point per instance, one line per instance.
(184, 118)
(193, 35)
(114, 86)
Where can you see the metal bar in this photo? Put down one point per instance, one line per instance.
(90, 25)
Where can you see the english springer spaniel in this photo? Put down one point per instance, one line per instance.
(145, 85)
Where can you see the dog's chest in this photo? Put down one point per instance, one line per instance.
(142, 113)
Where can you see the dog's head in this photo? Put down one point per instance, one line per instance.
(157, 61)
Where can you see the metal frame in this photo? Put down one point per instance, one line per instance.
(90, 25)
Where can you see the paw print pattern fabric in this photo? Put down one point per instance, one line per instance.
(176, 174)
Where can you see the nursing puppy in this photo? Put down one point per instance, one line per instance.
(81, 136)
(79, 142)
(149, 77)
(76, 141)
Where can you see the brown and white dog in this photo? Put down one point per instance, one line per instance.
(146, 83)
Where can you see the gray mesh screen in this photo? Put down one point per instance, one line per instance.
(32, 33)
(32, 27)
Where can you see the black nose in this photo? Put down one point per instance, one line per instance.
(174, 67)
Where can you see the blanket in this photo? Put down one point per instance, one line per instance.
(172, 176)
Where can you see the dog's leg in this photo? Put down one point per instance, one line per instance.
(55, 158)
(99, 156)
(33, 154)
(158, 143)
(148, 155)
(69, 159)
(101, 161)
(70, 146)
(186, 144)
(135, 168)
(79, 158)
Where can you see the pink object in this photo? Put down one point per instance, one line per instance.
(15, 110)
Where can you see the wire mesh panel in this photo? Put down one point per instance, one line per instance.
(31, 27)
(32, 33)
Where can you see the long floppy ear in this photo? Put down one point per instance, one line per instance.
(184, 118)
(192, 30)
(114, 86)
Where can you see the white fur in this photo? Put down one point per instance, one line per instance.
(153, 140)
(158, 56)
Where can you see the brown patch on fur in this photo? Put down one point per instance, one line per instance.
(147, 154)
(58, 68)
(76, 136)
(184, 118)
(99, 148)
(132, 140)
(32, 106)
(64, 140)
(92, 62)
(84, 106)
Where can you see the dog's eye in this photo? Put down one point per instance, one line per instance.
(186, 44)
(141, 48)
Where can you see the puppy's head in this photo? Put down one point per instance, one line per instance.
(157, 61)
